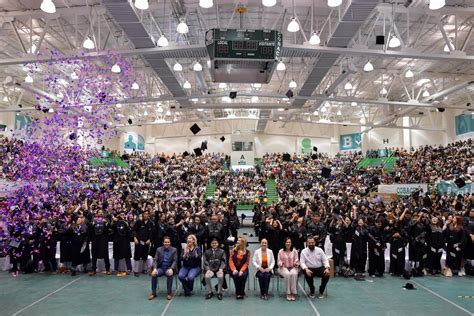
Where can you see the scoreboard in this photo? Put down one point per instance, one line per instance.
(244, 44)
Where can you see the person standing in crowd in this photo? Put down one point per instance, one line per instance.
(263, 262)
(216, 230)
(299, 234)
(338, 230)
(80, 245)
(122, 249)
(65, 244)
(214, 265)
(398, 240)
(455, 243)
(191, 264)
(417, 244)
(99, 232)
(142, 236)
(288, 268)
(377, 245)
(239, 260)
(435, 245)
(317, 229)
(165, 263)
(358, 258)
(314, 262)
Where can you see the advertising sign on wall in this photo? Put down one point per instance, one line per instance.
(402, 189)
(133, 142)
(350, 141)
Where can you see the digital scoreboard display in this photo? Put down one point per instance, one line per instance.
(250, 44)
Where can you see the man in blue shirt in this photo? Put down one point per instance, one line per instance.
(164, 263)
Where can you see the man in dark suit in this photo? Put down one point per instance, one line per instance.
(164, 263)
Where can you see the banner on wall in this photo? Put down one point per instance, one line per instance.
(22, 126)
(448, 187)
(402, 189)
(464, 125)
(133, 142)
(243, 151)
(350, 141)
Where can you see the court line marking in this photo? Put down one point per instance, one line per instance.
(443, 298)
(309, 300)
(46, 296)
(171, 300)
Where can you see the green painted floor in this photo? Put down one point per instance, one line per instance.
(42, 294)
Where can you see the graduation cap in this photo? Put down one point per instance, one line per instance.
(105, 126)
(315, 149)
(162, 159)
(460, 182)
(184, 176)
(130, 121)
(409, 286)
(72, 136)
(293, 203)
(314, 156)
(286, 157)
(185, 154)
(204, 145)
(222, 139)
(197, 152)
(195, 129)
(325, 172)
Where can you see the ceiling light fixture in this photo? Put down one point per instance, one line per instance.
(394, 42)
(135, 86)
(334, 3)
(348, 86)
(88, 43)
(426, 93)
(116, 69)
(269, 3)
(437, 4)
(197, 66)
(222, 85)
(292, 84)
(74, 76)
(281, 66)
(29, 79)
(163, 41)
(368, 67)
(339, 112)
(353, 103)
(118, 105)
(206, 4)
(187, 85)
(254, 99)
(409, 74)
(141, 4)
(383, 91)
(182, 27)
(48, 6)
(315, 39)
(446, 47)
(177, 67)
(293, 26)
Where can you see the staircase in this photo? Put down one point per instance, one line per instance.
(272, 193)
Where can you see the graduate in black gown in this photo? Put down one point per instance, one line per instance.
(121, 238)
(99, 234)
(80, 244)
(358, 258)
(338, 230)
(435, 245)
(377, 245)
(142, 236)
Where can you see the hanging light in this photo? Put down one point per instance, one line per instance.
(281, 109)
(339, 112)
(162, 41)
(292, 84)
(368, 67)
(353, 103)
(394, 42)
(197, 66)
(48, 6)
(293, 26)
(206, 4)
(285, 99)
(281, 66)
(145, 113)
(348, 86)
(118, 105)
(116, 69)
(159, 109)
(194, 99)
(409, 74)
(141, 4)
(88, 43)
(226, 99)
(316, 113)
(334, 3)
(5, 98)
(187, 85)
(168, 113)
(426, 93)
(29, 79)
(323, 110)
(32, 49)
(135, 86)
(254, 99)
(182, 27)
(269, 3)
(222, 85)
(314, 39)
(51, 110)
(74, 76)
(256, 85)
(177, 67)
(437, 4)
(383, 91)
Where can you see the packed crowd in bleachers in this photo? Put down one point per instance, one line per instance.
(66, 199)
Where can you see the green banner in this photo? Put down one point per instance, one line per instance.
(448, 187)
(350, 141)
(464, 124)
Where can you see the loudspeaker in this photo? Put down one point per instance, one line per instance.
(441, 109)
(289, 94)
(233, 94)
(380, 39)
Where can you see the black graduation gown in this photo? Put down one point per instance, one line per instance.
(455, 242)
(359, 249)
(377, 245)
(80, 245)
(121, 238)
(65, 243)
(435, 245)
(397, 250)
(337, 235)
(417, 245)
(143, 231)
(99, 231)
(298, 237)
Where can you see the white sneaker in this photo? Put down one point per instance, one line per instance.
(463, 272)
(460, 273)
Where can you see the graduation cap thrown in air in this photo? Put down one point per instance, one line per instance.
(204, 145)
(293, 203)
(197, 152)
(72, 136)
(314, 156)
(286, 157)
(130, 121)
(315, 149)
(195, 129)
(222, 139)
(185, 154)
(162, 159)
